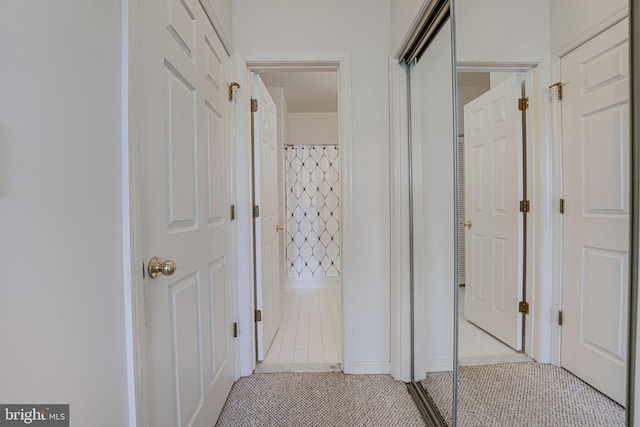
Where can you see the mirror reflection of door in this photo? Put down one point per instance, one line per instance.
(542, 312)
(493, 130)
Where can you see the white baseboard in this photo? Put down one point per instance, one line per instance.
(371, 368)
(315, 283)
(433, 365)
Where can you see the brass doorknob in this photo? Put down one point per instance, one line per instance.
(467, 223)
(279, 228)
(157, 266)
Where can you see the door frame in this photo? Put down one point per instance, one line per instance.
(244, 64)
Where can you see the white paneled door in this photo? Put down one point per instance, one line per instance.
(184, 189)
(493, 185)
(595, 120)
(267, 228)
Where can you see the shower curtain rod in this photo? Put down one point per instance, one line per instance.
(311, 145)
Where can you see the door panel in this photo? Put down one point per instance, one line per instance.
(185, 194)
(596, 220)
(493, 178)
(182, 147)
(268, 256)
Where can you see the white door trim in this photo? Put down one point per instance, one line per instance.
(244, 62)
(135, 331)
(399, 195)
(599, 27)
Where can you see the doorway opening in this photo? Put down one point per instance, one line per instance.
(297, 186)
(492, 232)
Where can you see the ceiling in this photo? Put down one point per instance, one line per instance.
(473, 79)
(306, 91)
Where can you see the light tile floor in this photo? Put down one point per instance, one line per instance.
(310, 332)
(476, 347)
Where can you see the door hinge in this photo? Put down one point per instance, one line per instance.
(233, 212)
(258, 315)
(235, 330)
(256, 211)
(523, 103)
(232, 85)
(561, 206)
(525, 206)
(523, 307)
(559, 86)
(560, 318)
(254, 105)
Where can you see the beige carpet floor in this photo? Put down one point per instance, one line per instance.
(523, 394)
(319, 399)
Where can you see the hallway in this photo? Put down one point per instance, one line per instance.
(125, 138)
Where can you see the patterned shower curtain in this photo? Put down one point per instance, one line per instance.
(313, 211)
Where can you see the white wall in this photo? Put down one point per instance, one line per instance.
(481, 27)
(361, 29)
(223, 10)
(404, 14)
(61, 300)
(313, 128)
(575, 21)
(493, 30)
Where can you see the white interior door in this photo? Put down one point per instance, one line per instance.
(184, 192)
(595, 121)
(493, 185)
(267, 227)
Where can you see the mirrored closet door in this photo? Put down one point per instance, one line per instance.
(433, 222)
(521, 211)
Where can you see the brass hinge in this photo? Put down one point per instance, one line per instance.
(560, 318)
(258, 315)
(254, 105)
(523, 103)
(561, 206)
(523, 307)
(525, 206)
(233, 212)
(256, 211)
(232, 85)
(559, 86)
(235, 330)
